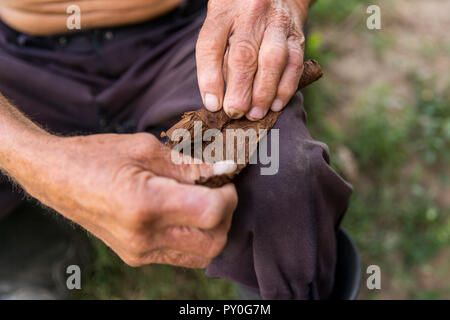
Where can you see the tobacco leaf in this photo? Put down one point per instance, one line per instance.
(221, 121)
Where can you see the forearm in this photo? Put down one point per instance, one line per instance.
(24, 146)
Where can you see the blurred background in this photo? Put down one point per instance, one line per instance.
(383, 107)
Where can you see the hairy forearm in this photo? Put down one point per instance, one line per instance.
(23, 144)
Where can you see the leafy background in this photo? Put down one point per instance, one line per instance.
(384, 109)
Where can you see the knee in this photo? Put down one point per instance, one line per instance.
(294, 158)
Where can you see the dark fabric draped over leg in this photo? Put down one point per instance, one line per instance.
(282, 240)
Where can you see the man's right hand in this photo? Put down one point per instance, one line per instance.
(126, 190)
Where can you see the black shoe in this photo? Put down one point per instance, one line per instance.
(36, 247)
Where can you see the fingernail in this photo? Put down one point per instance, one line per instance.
(234, 113)
(277, 105)
(256, 113)
(224, 167)
(212, 102)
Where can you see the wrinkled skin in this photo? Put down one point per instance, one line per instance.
(256, 48)
(150, 212)
(125, 190)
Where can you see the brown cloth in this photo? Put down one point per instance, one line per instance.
(142, 78)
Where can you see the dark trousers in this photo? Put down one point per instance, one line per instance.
(141, 78)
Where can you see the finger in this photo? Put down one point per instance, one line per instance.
(187, 240)
(272, 61)
(247, 33)
(225, 65)
(241, 67)
(164, 256)
(207, 244)
(210, 51)
(291, 77)
(173, 203)
(175, 258)
(138, 248)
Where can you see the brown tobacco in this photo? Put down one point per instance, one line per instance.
(220, 121)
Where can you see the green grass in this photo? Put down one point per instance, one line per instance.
(110, 278)
(400, 152)
(394, 215)
(332, 11)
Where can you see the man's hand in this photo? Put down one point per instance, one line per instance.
(256, 48)
(125, 189)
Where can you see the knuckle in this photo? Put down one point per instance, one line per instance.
(175, 258)
(297, 43)
(211, 219)
(280, 18)
(170, 257)
(217, 15)
(242, 78)
(178, 233)
(274, 56)
(207, 46)
(214, 213)
(233, 201)
(244, 55)
(295, 55)
(133, 261)
(219, 206)
(229, 198)
(217, 246)
(257, 5)
(144, 143)
(145, 138)
(231, 195)
(298, 38)
(134, 244)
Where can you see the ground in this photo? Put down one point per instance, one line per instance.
(383, 107)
